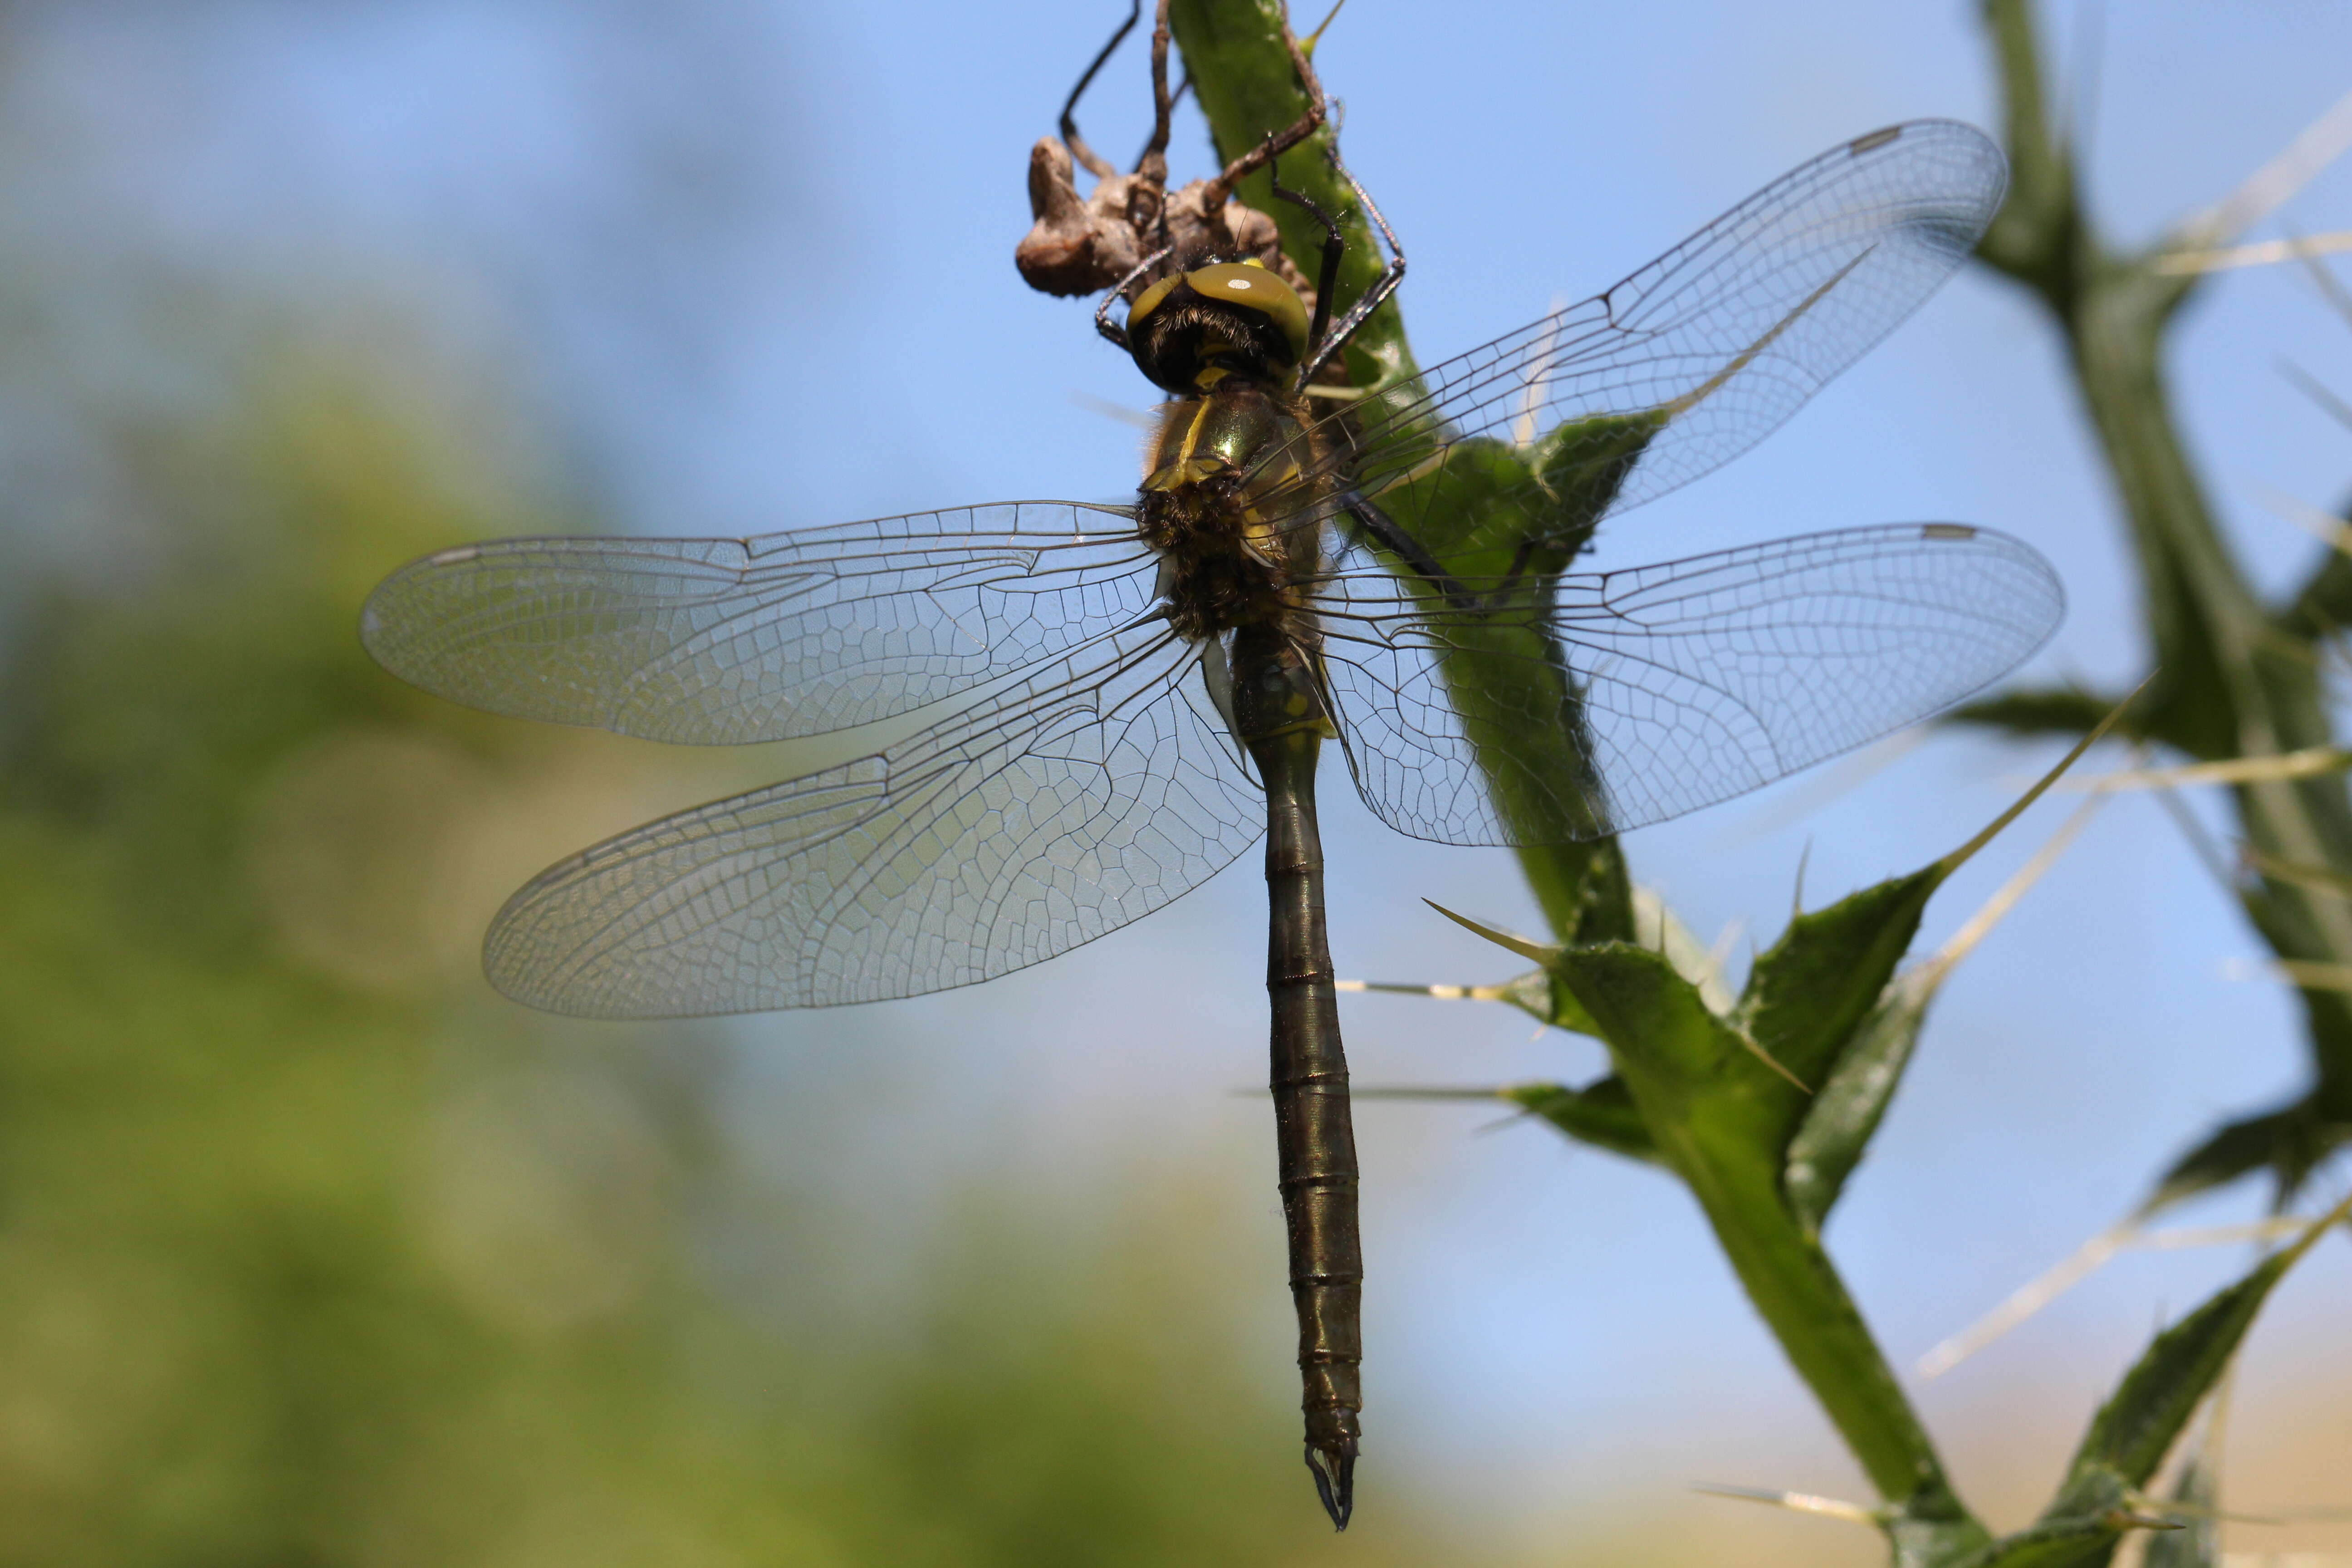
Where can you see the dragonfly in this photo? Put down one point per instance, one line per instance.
(1111, 704)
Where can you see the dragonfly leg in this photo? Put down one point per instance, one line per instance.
(1153, 164)
(1393, 537)
(1093, 162)
(1103, 323)
(1280, 141)
(1383, 287)
(1325, 339)
(1511, 575)
(1327, 275)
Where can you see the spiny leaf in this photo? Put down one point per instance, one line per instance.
(1807, 996)
(1840, 1122)
(1601, 1113)
(1825, 1003)
(1565, 1012)
(2197, 1544)
(1688, 1068)
(2056, 711)
(2075, 1541)
(2139, 1423)
(1845, 1112)
(2290, 1143)
(1931, 1530)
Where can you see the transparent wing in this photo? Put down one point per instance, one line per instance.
(1081, 796)
(1693, 359)
(720, 641)
(1604, 701)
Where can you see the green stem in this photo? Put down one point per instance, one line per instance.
(1243, 75)
(1713, 1113)
(1797, 1293)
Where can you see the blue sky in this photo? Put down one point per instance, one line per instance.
(743, 267)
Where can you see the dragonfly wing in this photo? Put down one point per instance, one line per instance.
(1080, 797)
(1599, 702)
(1693, 359)
(720, 641)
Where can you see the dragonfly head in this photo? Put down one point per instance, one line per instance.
(1191, 329)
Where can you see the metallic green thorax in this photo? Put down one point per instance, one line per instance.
(1227, 567)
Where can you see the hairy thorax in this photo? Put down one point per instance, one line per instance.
(1201, 507)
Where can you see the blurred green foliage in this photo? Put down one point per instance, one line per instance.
(312, 1252)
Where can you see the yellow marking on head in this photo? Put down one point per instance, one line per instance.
(1148, 301)
(1252, 285)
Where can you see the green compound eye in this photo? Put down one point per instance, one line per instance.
(1251, 286)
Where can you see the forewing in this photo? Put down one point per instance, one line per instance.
(1085, 795)
(720, 641)
(1606, 702)
(1689, 362)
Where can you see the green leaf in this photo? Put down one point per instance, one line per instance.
(1713, 1109)
(1540, 996)
(1601, 1114)
(2130, 1435)
(1689, 1069)
(2197, 1544)
(2057, 711)
(1845, 1112)
(2136, 1427)
(1801, 999)
(1808, 994)
(1931, 1530)
(2075, 1542)
(2323, 607)
(2289, 1143)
